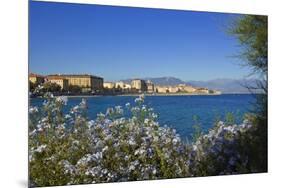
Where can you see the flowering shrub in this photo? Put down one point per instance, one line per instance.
(71, 149)
(221, 150)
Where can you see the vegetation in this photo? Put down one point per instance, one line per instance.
(68, 148)
(74, 89)
(252, 33)
(32, 86)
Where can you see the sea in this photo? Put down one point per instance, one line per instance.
(178, 112)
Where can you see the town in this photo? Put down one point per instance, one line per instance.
(85, 84)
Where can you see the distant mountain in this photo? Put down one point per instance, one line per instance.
(172, 81)
(224, 85)
(227, 85)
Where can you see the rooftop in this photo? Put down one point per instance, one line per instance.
(74, 75)
(35, 75)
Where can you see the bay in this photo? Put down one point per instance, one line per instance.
(174, 111)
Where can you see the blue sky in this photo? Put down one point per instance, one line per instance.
(121, 42)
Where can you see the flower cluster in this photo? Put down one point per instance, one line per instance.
(220, 150)
(71, 149)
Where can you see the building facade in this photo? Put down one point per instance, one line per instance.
(150, 87)
(161, 89)
(120, 85)
(202, 90)
(108, 85)
(36, 78)
(63, 83)
(85, 81)
(139, 85)
(186, 88)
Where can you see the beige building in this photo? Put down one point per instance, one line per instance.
(167, 89)
(127, 86)
(120, 85)
(36, 78)
(108, 85)
(85, 81)
(150, 86)
(161, 89)
(63, 83)
(186, 88)
(202, 90)
(173, 89)
(139, 85)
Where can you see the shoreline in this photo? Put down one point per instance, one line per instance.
(149, 94)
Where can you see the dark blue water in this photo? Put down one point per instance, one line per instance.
(175, 111)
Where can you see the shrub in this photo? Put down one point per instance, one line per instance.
(71, 149)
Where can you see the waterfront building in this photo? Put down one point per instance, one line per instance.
(161, 89)
(108, 85)
(173, 89)
(202, 90)
(85, 81)
(150, 86)
(186, 88)
(128, 86)
(120, 85)
(63, 83)
(139, 85)
(36, 78)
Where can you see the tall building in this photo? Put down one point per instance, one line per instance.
(36, 78)
(108, 85)
(120, 85)
(150, 86)
(85, 81)
(139, 85)
(63, 83)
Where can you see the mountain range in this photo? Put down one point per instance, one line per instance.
(225, 85)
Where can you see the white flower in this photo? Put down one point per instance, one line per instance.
(33, 110)
(40, 148)
(135, 109)
(62, 99)
(146, 121)
(119, 110)
(105, 149)
(109, 111)
(33, 133)
(175, 141)
(68, 168)
(154, 115)
(131, 141)
(91, 123)
(154, 171)
(140, 99)
(194, 147)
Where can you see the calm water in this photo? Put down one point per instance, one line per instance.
(175, 111)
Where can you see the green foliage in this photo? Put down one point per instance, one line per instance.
(32, 86)
(51, 87)
(74, 89)
(229, 118)
(197, 128)
(251, 31)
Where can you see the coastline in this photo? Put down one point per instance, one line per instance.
(150, 95)
(137, 94)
